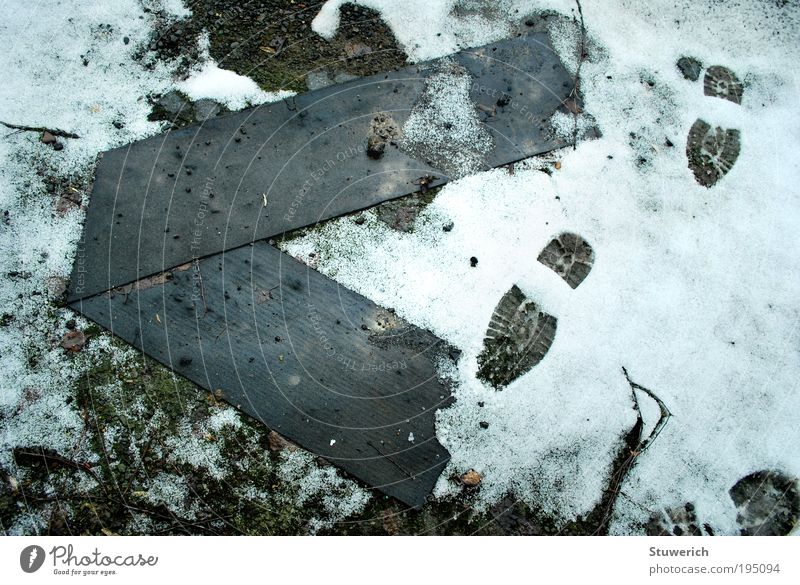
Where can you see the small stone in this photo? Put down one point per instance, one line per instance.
(448, 227)
(48, 138)
(71, 324)
(383, 130)
(354, 49)
(360, 220)
(56, 286)
(483, 424)
(126, 40)
(471, 478)
(473, 261)
(172, 102)
(375, 147)
(58, 145)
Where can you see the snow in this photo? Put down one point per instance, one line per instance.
(444, 126)
(694, 290)
(176, 8)
(235, 91)
(424, 29)
(338, 497)
(47, 84)
(106, 102)
(172, 491)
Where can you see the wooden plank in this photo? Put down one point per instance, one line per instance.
(318, 363)
(163, 201)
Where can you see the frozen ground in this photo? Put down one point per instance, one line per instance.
(76, 67)
(694, 290)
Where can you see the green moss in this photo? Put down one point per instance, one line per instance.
(271, 41)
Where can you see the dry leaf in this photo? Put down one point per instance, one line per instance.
(73, 341)
(471, 478)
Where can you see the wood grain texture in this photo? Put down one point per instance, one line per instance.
(160, 202)
(318, 363)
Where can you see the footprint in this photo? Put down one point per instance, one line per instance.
(570, 256)
(768, 503)
(712, 152)
(721, 82)
(520, 333)
(678, 521)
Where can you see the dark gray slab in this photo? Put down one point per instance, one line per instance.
(307, 357)
(195, 192)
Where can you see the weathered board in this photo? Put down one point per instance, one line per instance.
(318, 363)
(198, 191)
(165, 263)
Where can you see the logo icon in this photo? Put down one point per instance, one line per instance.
(31, 558)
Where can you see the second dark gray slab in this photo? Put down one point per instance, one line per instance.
(320, 364)
(261, 172)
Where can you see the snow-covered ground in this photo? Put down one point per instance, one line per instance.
(694, 290)
(73, 66)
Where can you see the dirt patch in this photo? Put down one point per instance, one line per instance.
(382, 131)
(271, 41)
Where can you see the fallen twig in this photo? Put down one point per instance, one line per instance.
(573, 95)
(635, 444)
(40, 453)
(53, 131)
(665, 414)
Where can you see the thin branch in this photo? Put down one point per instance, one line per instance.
(53, 131)
(635, 445)
(577, 82)
(664, 417)
(48, 455)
